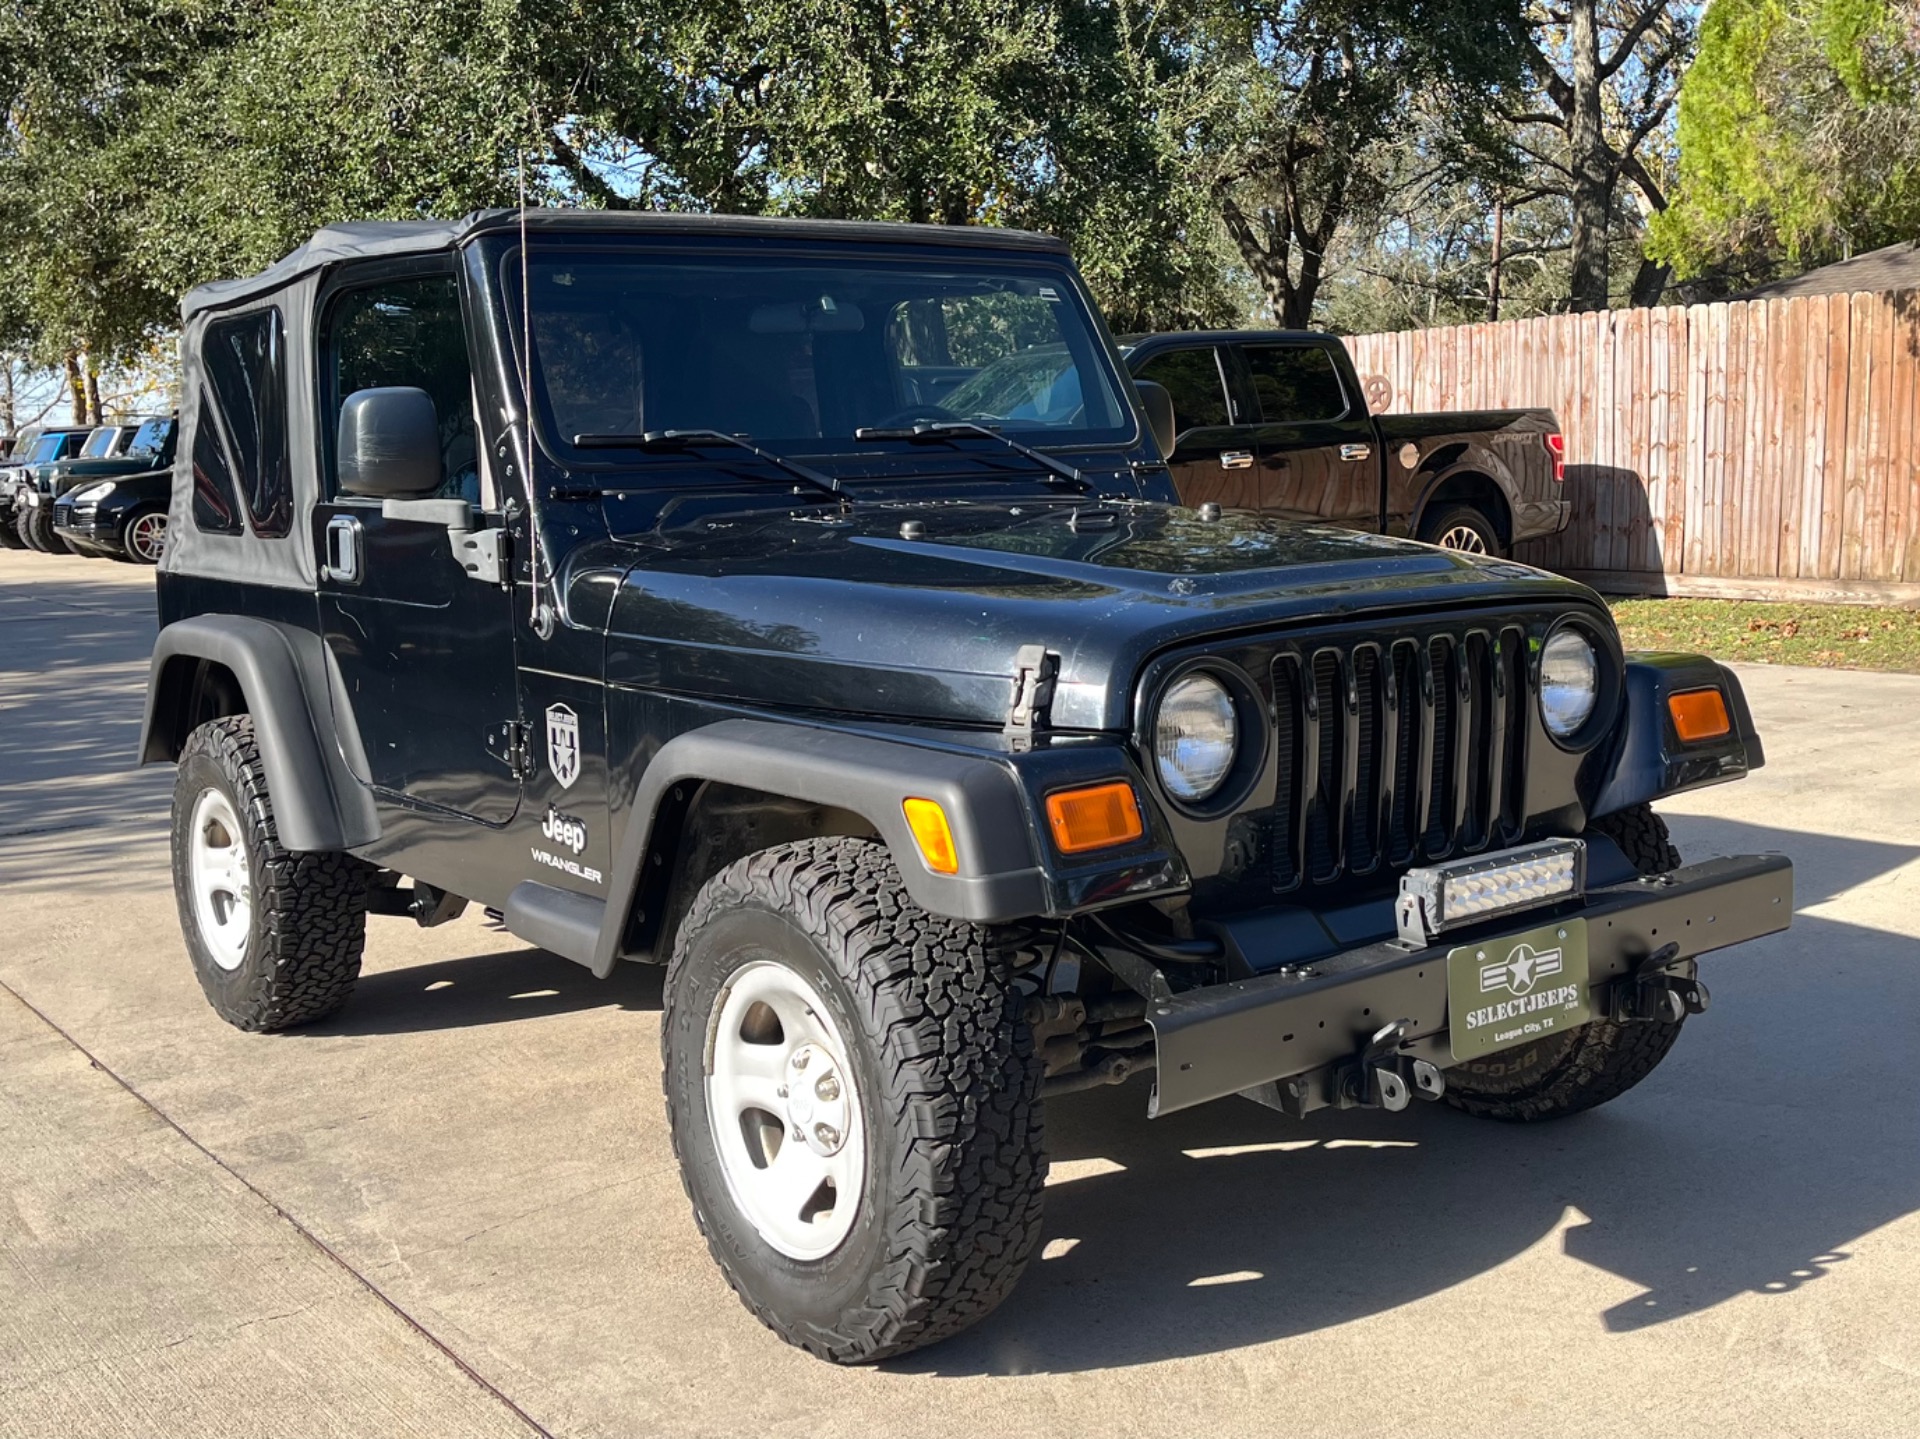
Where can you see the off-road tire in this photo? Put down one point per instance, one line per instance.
(1569, 1073)
(944, 1060)
(9, 532)
(1435, 527)
(309, 911)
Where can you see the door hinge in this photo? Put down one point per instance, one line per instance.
(512, 744)
(486, 555)
(1034, 671)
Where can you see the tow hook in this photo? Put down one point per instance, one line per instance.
(1383, 1078)
(1653, 994)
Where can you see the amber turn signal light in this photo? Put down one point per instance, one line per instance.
(933, 834)
(1093, 818)
(1698, 715)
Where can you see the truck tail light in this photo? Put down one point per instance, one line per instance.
(1699, 715)
(1093, 818)
(1557, 447)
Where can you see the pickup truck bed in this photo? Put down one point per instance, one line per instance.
(1277, 421)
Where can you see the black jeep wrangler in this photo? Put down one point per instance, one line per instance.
(650, 581)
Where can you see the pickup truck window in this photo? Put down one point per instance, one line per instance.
(1193, 378)
(1296, 384)
(802, 354)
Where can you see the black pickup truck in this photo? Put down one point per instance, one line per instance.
(805, 607)
(1277, 421)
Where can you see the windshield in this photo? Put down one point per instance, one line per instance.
(151, 437)
(48, 449)
(100, 443)
(799, 355)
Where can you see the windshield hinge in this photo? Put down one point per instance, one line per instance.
(512, 744)
(1034, 669)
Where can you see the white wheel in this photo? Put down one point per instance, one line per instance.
(221, 878)
(1464, 538)
(785, 1111)
(147, 538)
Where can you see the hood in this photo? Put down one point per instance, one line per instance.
(917, 611)
(60, 476)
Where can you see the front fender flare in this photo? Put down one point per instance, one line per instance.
(1647, 760)
(1007, 870)
(282, 672)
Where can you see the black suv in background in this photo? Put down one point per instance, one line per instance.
(1277, 421)
(112, 452)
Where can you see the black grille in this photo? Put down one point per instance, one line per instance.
(1397, 753)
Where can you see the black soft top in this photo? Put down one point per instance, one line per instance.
(375, 239)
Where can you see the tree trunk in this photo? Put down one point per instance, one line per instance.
(1493, 270)
(95, 416)
(1650, 283)
(1593, 169)
(77, 387)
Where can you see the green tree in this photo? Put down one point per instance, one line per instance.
(1312, 110)
(1799, 135)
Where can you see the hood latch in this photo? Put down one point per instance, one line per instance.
(1034, 670)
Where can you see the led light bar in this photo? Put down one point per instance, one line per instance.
(1441, 897)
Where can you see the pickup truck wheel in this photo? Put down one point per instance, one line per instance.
(1462, 528)
(275, 936)
(853, 1096)
(1569, 1073)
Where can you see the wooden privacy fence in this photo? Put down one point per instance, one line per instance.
(1763, 448)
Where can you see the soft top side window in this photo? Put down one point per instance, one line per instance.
(240, 454)
(406, 330)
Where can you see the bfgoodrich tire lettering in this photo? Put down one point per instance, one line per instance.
(1599, 1061)
(943, 1061)
(306, 913)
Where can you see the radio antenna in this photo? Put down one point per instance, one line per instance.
(541, 615)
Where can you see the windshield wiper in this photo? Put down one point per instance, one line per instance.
(932, 430)
(684, 439)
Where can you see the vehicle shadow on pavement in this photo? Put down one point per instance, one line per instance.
(1777, 1133)
(73, 676)
(479, 989)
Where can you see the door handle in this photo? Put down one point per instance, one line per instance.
(1236, 459)
(1355, 452)
(343, 550)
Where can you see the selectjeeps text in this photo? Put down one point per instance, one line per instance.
(718, 593)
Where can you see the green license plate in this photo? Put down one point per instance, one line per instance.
(1520, 987)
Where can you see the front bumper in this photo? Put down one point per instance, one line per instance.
(1285, 1038)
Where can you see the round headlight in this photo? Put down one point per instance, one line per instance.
(1569, 683)
(1195, 734)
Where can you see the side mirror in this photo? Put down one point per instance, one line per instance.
(1158, 404)
(389, 444)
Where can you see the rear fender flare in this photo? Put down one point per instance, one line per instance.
(282, 673)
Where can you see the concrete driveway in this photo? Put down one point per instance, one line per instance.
(453, 1210)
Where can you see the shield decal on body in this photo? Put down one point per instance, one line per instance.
(563, 744)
